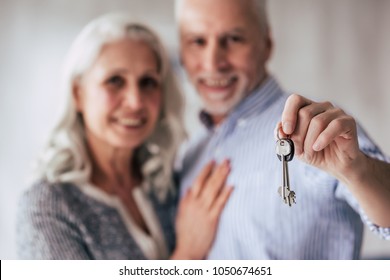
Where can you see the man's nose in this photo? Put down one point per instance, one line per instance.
(214, 59)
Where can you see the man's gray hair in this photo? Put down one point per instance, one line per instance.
(65, 158)
(259, 7)
(261, 13)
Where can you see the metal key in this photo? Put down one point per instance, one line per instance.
(285, 153)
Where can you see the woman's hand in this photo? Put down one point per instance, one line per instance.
(199, 212)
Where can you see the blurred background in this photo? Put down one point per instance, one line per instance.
(337, 50)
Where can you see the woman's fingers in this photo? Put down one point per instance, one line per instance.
(210, 181)
(200, 209)
(220, 201)
(202, 178)
(214, 183)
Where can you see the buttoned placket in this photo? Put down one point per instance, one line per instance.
(221, 135)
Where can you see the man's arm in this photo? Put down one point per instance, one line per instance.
(326, 137)
(369, 180)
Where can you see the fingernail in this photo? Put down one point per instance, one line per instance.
(317, 147)
(287, 128)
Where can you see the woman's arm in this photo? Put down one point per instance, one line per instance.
(43, 231)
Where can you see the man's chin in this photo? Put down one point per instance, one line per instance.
(218, 109)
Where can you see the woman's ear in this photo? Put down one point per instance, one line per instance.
(77, 98)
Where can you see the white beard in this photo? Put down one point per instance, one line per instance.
(223, 107)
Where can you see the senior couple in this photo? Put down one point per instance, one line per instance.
(104, 183)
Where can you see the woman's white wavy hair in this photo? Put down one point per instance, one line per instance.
(65, 157)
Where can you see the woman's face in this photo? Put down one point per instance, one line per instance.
(120, 96)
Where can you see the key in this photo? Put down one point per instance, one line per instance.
(285, 153)
(285, 147)
(289, 195)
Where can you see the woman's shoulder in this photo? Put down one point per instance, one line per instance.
(47, 223)
(46, 196)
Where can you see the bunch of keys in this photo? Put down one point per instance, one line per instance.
(285, 153)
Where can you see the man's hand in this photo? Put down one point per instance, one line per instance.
(324, 136)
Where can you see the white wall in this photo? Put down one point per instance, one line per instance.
(336, 50)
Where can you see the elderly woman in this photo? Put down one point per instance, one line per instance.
(104, 185)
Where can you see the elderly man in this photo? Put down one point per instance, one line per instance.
(339, 178)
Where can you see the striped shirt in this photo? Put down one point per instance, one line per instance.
(325, 223)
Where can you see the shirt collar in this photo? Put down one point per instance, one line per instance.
(257, 101)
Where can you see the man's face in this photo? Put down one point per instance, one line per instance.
(223, 50)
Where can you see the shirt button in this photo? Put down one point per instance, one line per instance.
(241, 123)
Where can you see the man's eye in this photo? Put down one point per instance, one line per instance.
(117, 81)
(228, 40)
(148, 83)
(198, 42)
(235, 38)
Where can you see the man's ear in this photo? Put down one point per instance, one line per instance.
(269, 44)
(77, 96)
(181, 59)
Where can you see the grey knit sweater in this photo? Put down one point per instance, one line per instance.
(61, 222)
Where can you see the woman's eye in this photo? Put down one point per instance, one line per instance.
(117, 81)
(148, 83)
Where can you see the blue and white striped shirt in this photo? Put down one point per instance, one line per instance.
(325, 223)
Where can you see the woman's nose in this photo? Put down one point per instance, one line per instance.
(133, 97)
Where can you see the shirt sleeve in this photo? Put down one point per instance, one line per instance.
(368, 147)
(44, 231)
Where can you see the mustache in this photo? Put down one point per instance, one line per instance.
(214, 76)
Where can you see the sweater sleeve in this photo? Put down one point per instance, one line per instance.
(46, 229)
